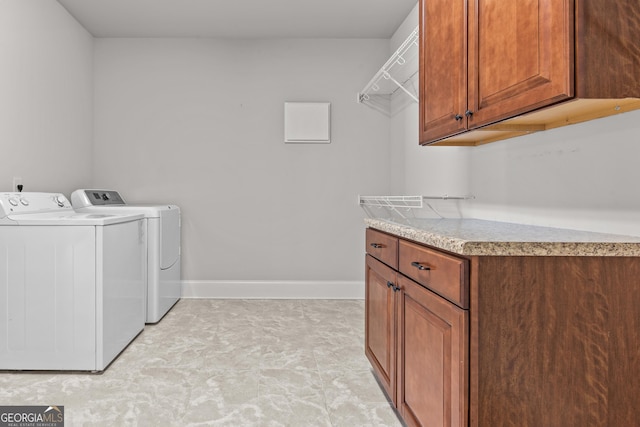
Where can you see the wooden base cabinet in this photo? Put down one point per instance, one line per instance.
(380, 323)
(555, 341)
(549, 341)
(432, 358)
(416, 340)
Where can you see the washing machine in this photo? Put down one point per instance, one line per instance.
(72, 286)
(164, 287)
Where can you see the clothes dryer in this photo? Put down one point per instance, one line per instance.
(71, 285)
(164, 287)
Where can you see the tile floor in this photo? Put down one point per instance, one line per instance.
(226, 363)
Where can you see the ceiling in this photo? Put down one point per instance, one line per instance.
(248, 19)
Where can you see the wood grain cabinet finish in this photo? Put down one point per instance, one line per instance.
(444, 274)
(556, 341)
(416, 340)
(485, 61)
(383, 247)
(548, 341)
(432, 358)
(443, 68)
(380, 323)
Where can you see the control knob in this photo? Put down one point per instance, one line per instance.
(60, 200)
(13, 201)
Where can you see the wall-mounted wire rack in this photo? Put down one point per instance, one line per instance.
(401, 67)
(401, 205)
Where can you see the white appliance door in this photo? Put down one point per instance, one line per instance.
(122, 279)
(169, 237)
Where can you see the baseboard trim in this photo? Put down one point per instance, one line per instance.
(273, 289)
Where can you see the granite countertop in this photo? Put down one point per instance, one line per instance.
(491, 238)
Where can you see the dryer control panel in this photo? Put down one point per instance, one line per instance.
(84, 198)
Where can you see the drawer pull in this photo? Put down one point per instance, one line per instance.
(420, 266)
(393, 286)
(377, 245)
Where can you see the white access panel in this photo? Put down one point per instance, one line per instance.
(307, 122)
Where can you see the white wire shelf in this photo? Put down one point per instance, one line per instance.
(404, 204)
(391, 201)
(394, 75)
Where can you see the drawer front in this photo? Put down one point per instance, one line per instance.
(383, 247)
(444, 274)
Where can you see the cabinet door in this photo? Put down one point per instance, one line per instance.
(380, 323)
(520, 56)
(443, 68)
(432, 358)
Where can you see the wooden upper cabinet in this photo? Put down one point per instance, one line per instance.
(494, 69)
(520, 57)
(443, 67)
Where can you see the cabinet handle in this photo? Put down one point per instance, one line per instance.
(393, 286)
(458, 117)
(377, 245)
(420, 266)
(468, 113)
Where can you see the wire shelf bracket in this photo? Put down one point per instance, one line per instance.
(404, 204)
(401, 67)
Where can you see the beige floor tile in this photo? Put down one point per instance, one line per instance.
(226, 363)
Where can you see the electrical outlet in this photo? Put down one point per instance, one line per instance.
(16, 181)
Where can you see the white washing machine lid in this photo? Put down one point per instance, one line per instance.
(71, 218)
(32, 208)
(167, 215)
(149, 211)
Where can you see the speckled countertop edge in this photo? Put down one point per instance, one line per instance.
(489, 238)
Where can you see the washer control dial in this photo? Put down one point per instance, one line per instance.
(60, 200)
(24, 201)
(13, 201)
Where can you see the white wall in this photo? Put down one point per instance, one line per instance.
(199, 123)
(433, 171)
(583, 176)
(46, 100)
